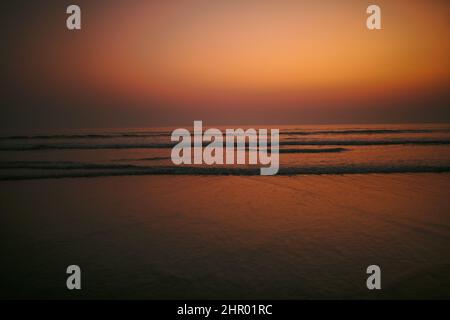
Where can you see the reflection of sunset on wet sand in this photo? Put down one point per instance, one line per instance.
(231, 237)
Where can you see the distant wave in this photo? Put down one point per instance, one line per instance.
(86, 170)
(167, 133)
(54, 146)
(364, 131)
(30, 147)
(142, 159)
(365, 142)
(86, 136)
(62, 165)
(321, 150)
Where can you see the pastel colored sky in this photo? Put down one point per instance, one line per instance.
(138, 63)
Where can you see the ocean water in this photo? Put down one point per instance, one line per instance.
(320, 149)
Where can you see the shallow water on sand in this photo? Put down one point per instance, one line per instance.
(303, 236)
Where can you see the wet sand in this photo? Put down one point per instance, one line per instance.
(283, 237)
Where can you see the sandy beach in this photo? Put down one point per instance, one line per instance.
(284, 237)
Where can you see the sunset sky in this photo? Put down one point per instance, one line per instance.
(155, 63)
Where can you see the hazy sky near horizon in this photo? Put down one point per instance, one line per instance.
(156, 63)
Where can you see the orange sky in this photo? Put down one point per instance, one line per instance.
(210, 57)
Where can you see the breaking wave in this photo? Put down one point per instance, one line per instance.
(55, 146)
(168, 133)
(86, 170)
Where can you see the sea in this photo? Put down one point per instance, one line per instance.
(304, 149)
